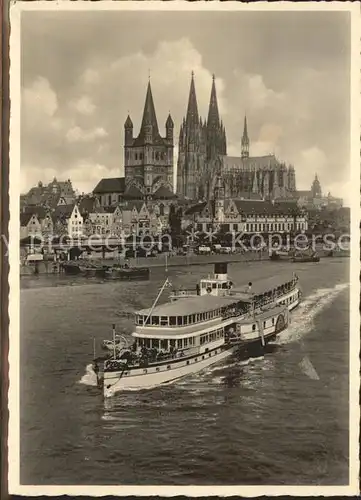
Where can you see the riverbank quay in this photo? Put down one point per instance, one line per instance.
(161, 260)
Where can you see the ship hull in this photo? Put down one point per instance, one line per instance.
(172, 370)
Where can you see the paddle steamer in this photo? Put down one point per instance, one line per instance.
(198, 328)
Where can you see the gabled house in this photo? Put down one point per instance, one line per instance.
(29, 225)
(68, 220)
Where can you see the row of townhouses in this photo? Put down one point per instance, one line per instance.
(87, 218)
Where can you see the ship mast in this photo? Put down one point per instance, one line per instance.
(167, 282)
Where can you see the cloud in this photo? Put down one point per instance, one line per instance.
(83, 105)
(40, 98)
(295, 91)
(76, 134)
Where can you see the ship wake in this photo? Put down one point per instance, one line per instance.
(302, 319)
(89, 378)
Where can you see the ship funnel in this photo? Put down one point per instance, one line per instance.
(220, 270)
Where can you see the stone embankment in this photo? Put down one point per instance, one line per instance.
(161, 260)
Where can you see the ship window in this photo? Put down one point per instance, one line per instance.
(180, 344)
(185, 320)
(196, 359)
(147, 343)
(187, 362)
(164, 344)
(164, 320)
(145, 371)
(185, 342)
(210, 354)
(172, 343)
(155, 343)
(172, 321)
(214, 285)
(193, 318)
(202, 357)
(180, 320)
(273, 321)
(126, 373)
(155, 320)
(253, 327)
(168, 367)
(157, 369)
(207, 349)
(264, 324)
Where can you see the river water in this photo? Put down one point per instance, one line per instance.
(278, 419)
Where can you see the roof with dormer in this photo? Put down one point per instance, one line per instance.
(110, 185)
(164, 193)
(63, 211)
(25, 218)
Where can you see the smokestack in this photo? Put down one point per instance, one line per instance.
(220, 271)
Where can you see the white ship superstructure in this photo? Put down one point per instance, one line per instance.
(198, 328)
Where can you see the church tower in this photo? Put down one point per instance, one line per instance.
(316, 188)
(245, 140)
(219, 194)
(148, 159)
(192, 150)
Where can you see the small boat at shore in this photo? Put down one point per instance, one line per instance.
(122, 272)
(306, 257)
(197, 328)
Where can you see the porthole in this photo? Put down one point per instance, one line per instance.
(202, 357)
(196, 359)
(215, 352)
(145, 371)
(157, 369)
(168, 367)
(253, 327)
(187, 362)
(210, 354)
(126, 373)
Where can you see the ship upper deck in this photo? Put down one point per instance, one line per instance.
(187, 306)
(262, 286)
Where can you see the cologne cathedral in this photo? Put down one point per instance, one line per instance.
(203, 157)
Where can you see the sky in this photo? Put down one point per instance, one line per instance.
(82, 72)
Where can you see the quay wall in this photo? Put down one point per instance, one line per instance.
(161, 260)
